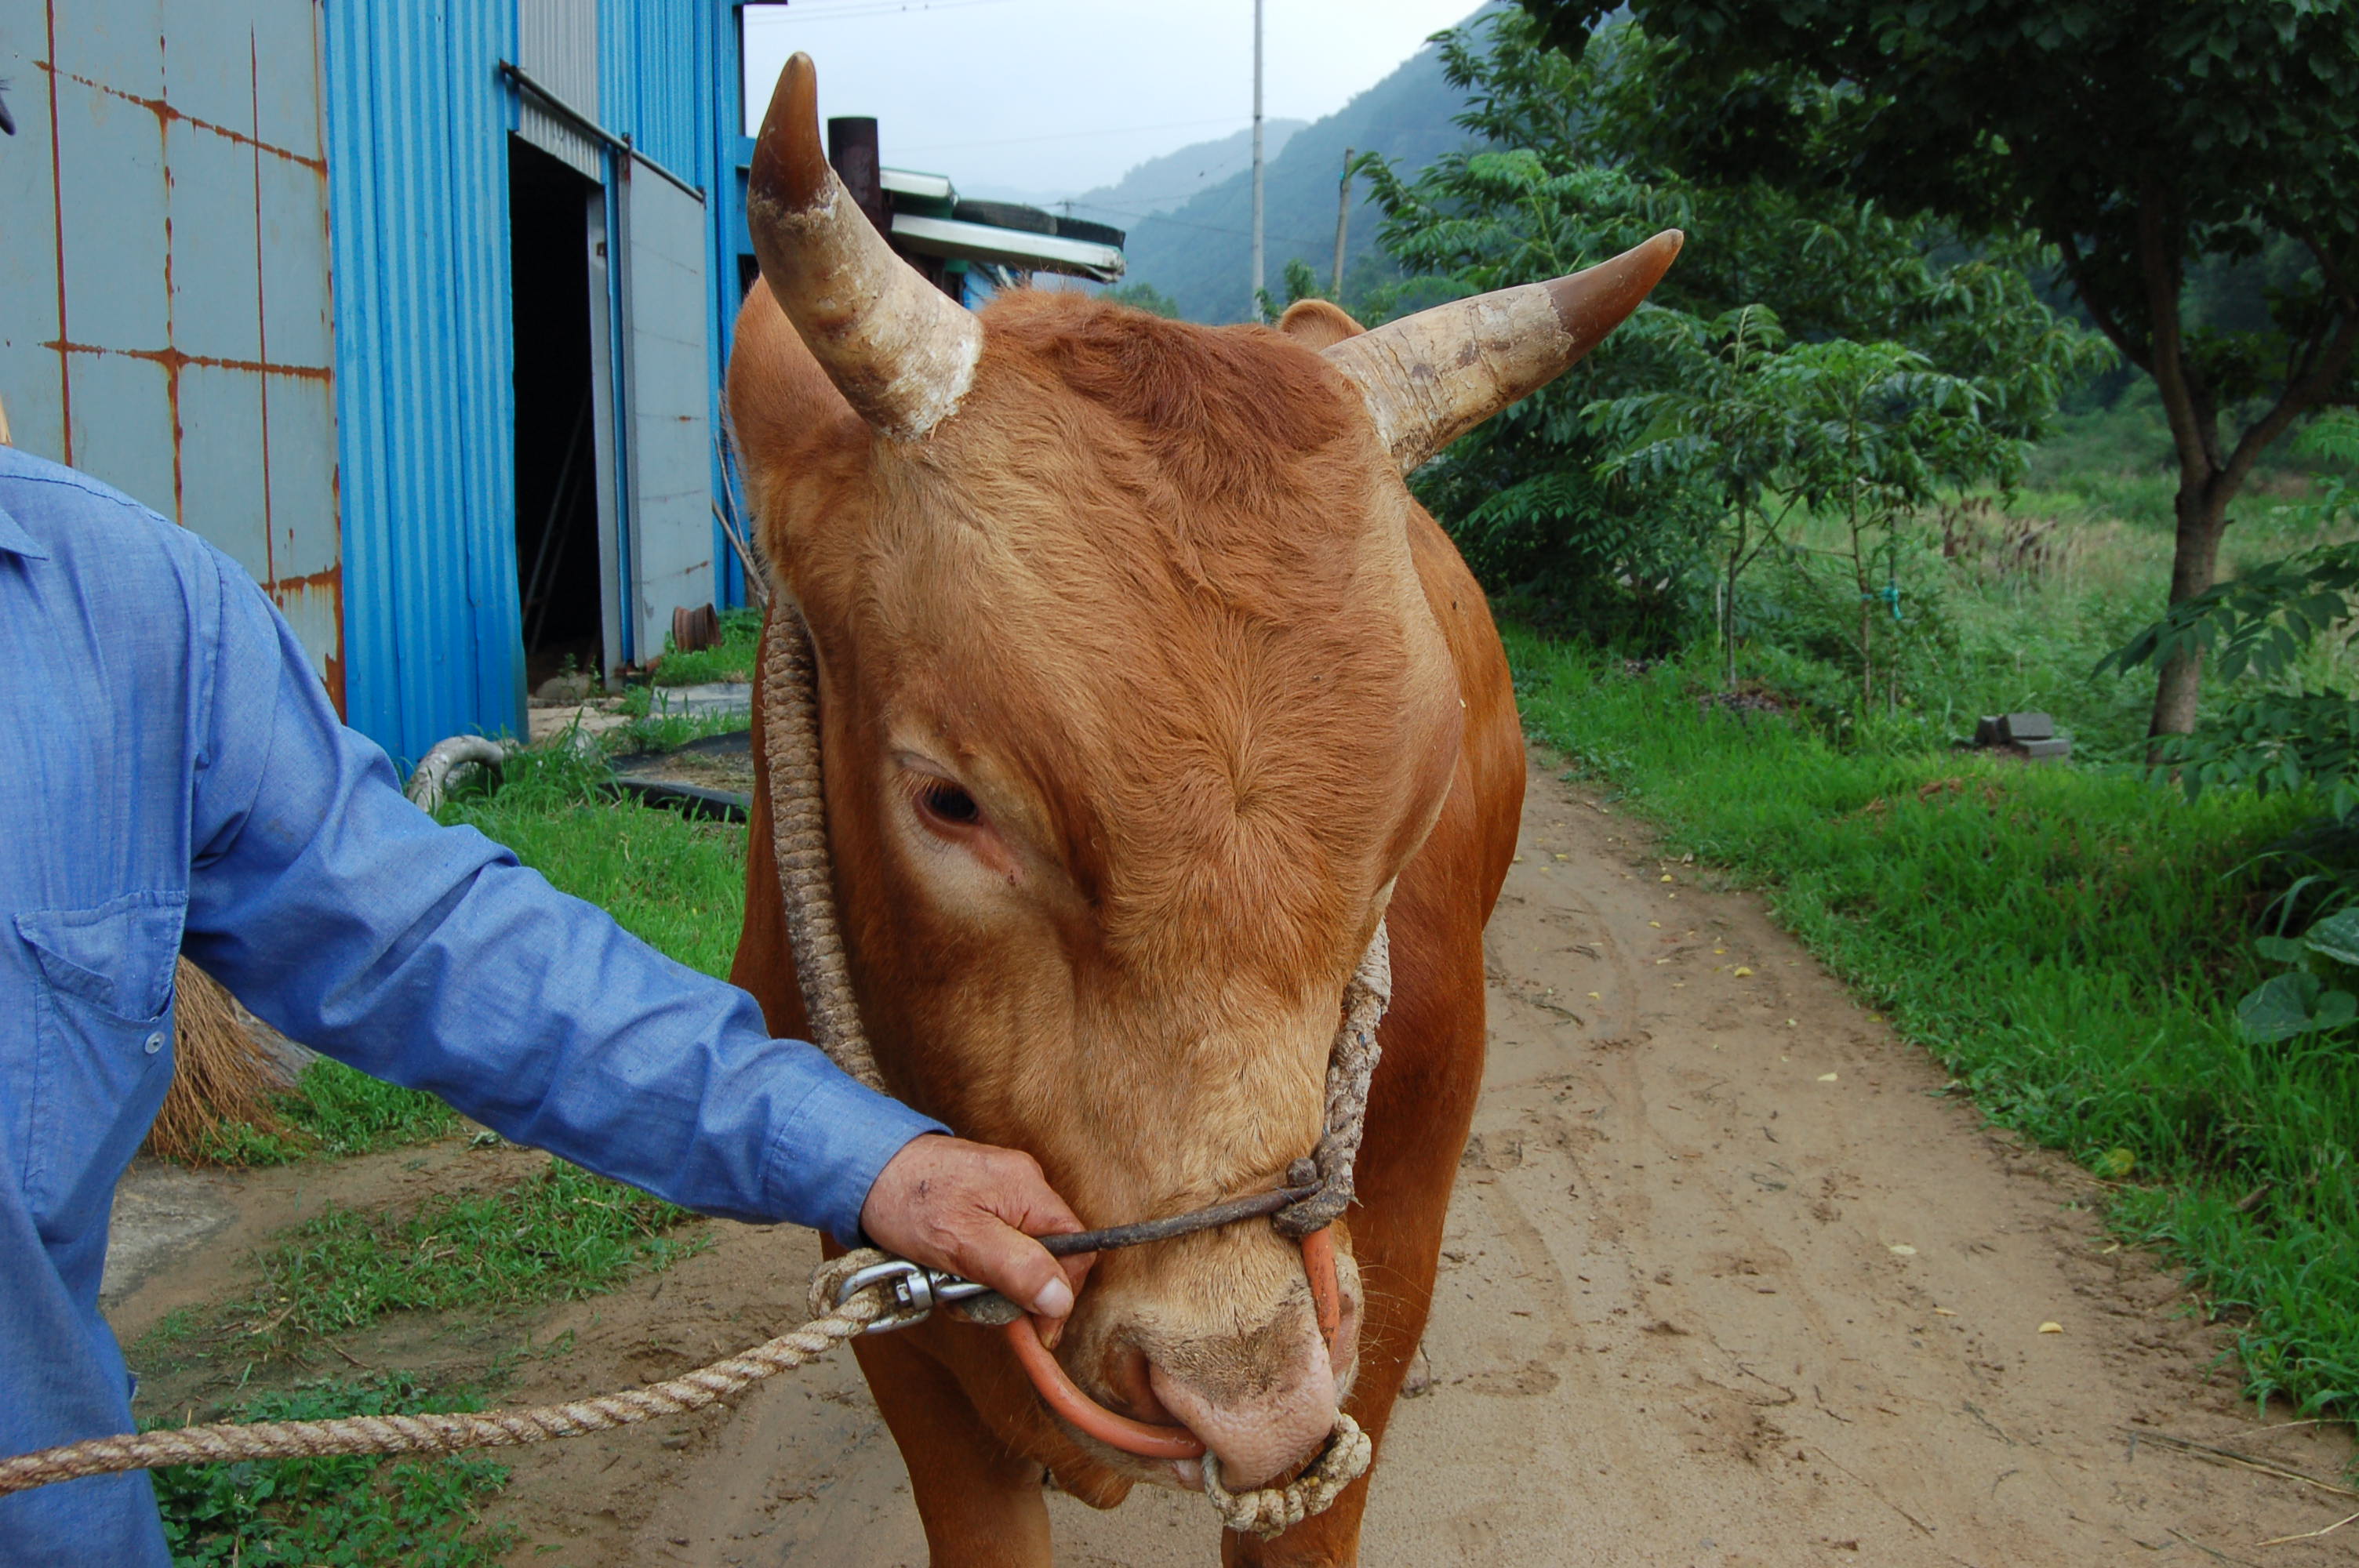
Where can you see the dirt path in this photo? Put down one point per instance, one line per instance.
(1727, 1283)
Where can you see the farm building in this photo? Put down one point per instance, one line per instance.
(418, 311)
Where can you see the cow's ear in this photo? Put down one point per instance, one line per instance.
(1320, 323)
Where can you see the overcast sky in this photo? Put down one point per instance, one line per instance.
(1057, 96)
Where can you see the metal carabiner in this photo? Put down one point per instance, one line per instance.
(911, 1290)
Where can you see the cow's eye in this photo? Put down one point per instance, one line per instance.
(948, 804)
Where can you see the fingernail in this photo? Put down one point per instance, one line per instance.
(1055, 1300)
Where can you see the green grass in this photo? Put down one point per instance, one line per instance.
(676, 883)
(2070, 942)
(732, 660)
(346, 1511)
(334, 1110)
(664, 731)
(561, 1234)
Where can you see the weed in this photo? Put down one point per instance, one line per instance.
(346, 1511)
(663, 731)
(334, 1110)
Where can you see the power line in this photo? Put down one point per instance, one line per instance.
(1216, 228)
(1068, 135)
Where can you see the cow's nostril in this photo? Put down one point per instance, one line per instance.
(1261, 1422)
(1133, 1386)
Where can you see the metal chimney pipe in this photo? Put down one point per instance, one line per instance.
(852, 148)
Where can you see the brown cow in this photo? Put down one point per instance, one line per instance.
(1146, 691)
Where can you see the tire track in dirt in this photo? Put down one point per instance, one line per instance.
(1701, 1304)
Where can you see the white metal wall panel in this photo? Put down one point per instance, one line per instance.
(667, 394)
(164, 294)
(557, 45)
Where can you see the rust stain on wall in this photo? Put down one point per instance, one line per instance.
(314, 601)
(164, 114)
(174, 360)
(313, 604)
(58, 218)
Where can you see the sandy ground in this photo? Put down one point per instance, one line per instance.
(1730, 1280)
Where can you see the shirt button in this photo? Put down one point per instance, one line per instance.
(154, 1042)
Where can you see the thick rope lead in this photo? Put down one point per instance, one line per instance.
(1273, 1510)
(790, 745)
(226, 1441)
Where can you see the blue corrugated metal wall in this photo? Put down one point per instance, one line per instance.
(418, 189)
(417, 123)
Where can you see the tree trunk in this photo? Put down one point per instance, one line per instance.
(2202, 511)
(1728, 619)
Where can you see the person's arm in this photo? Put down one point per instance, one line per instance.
(426, 955)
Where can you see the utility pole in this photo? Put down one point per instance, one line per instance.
(1343, 222)
(1258, 282)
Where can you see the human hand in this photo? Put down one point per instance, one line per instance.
(974, 1209)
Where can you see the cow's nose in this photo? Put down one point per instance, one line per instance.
(1261, 1415)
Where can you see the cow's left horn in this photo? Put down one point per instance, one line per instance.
(1431, 377)
(901, 351)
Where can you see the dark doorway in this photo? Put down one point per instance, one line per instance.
(556, 446)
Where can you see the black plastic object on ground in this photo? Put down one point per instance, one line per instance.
(638, 776)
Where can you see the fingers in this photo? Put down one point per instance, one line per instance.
(974, 1209)
(1017, 1267)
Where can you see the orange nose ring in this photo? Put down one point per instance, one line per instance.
(1154, 1440)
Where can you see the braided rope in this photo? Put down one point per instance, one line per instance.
(1351, 1064)
(1269, 1511)
(798, 840)
(225, 1441)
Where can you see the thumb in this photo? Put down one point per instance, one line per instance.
(1020, 1269)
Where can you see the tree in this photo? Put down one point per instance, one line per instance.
(1537, 496)
(2141, 138)
(2286, 736)
(1867, 432)
(1301, 284)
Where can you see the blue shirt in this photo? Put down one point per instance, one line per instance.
(173, 780)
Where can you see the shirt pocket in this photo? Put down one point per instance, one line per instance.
(102, 1048)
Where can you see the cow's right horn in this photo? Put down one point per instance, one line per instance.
(1431, 377)
(901, 351)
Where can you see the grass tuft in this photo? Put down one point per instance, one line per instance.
(562, 1235)
(676, 883)
(332, 1110)
(732, 659)
(347, 1511)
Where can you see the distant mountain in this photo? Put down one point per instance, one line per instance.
(1199, 253)
(1160, 184)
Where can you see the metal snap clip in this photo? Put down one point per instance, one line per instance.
(912, 1291)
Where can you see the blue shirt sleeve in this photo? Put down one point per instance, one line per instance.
(427, 956)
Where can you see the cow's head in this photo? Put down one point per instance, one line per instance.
(1133, 710)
